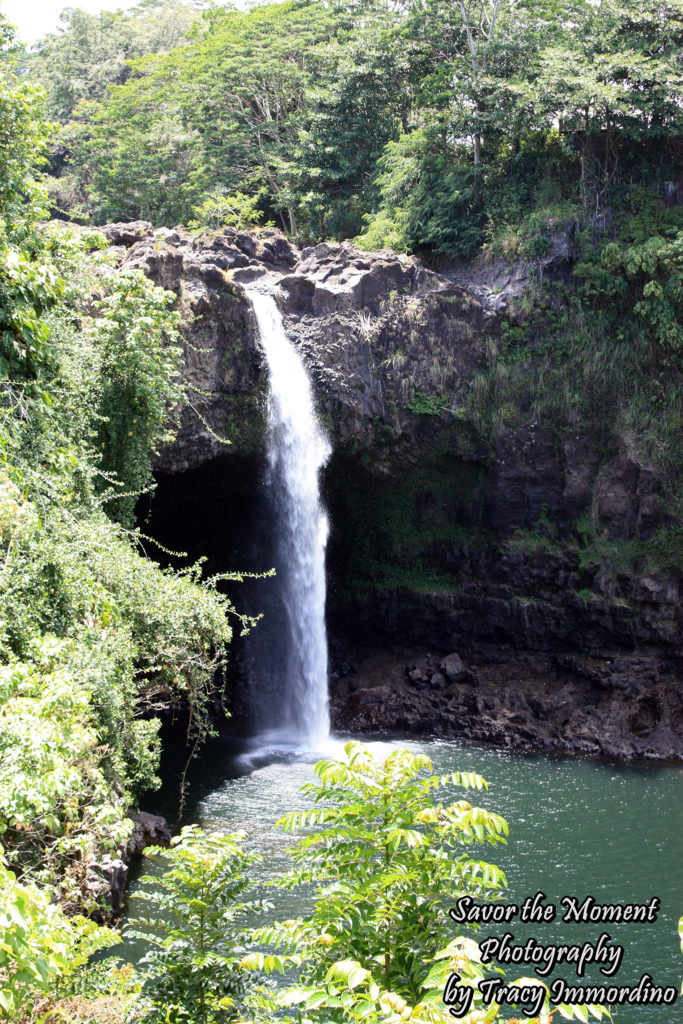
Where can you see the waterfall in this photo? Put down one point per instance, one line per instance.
(290, 647)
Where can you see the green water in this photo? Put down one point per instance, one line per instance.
(577, 827)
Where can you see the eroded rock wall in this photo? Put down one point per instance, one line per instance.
(447, 536)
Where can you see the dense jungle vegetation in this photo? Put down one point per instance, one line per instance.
(434, 127)
(95, 639)
(482, 128)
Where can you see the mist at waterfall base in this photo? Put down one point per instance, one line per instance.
(286, 654)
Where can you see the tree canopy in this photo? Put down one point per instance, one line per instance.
(424, 124)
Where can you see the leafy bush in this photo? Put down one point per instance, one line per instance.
(236, 210)
(40, 948)
(197, 926)
(134, 337)
(650, 277)
(29, 282)
(53, 792)
(375, 948)
(387, 860)
(93, 636)
(426, 200)
(426, 405)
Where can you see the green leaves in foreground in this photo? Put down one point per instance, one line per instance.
(39, 946)
(197, 929)
(386, 863)
(389, 858)
(375, 947)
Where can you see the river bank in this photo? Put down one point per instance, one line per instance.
(497, 696)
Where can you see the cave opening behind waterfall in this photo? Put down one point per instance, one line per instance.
(216, 512)
(219, 512)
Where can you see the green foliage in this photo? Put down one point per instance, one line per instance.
(29, 283)
(221, 115)
(386, 860)
(89, 52)
(40, 949)
(427, 128)
(93, 636)
(647, 278)
(133, 639)
(386, 229)
(236, 210)
(197, 927)
(462, 957)
(426, 198)
(135, 341)
(95, 639)
(426, 405)
(69, 570)
(663, 552)
(23, 140)
(53, 792)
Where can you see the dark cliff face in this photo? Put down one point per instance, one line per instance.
(447, 534)
(379, 333)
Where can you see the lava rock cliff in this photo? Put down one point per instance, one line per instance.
(448, 535)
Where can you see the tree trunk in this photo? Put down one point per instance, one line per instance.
(477, 166)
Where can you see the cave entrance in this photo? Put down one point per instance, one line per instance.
(215, 512)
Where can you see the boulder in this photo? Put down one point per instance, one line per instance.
(437, 681)
(160, 262)
(376, 695)
(337, 277)
(148, 830)
(453, 668)
(126, 233)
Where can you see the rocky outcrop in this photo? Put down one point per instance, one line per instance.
(223, 365)
(626, 499)
(332, 278)
(559, 656)
(516, 703)
(447, 536)
(380, 333)
(106, 879)
(148, 830)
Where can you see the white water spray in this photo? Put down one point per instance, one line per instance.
(295, 711)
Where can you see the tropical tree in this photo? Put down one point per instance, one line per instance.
(387, 858)
(387, 863)
(90, 52)
(195, 928)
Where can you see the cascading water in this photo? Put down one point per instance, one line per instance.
(289, 649)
